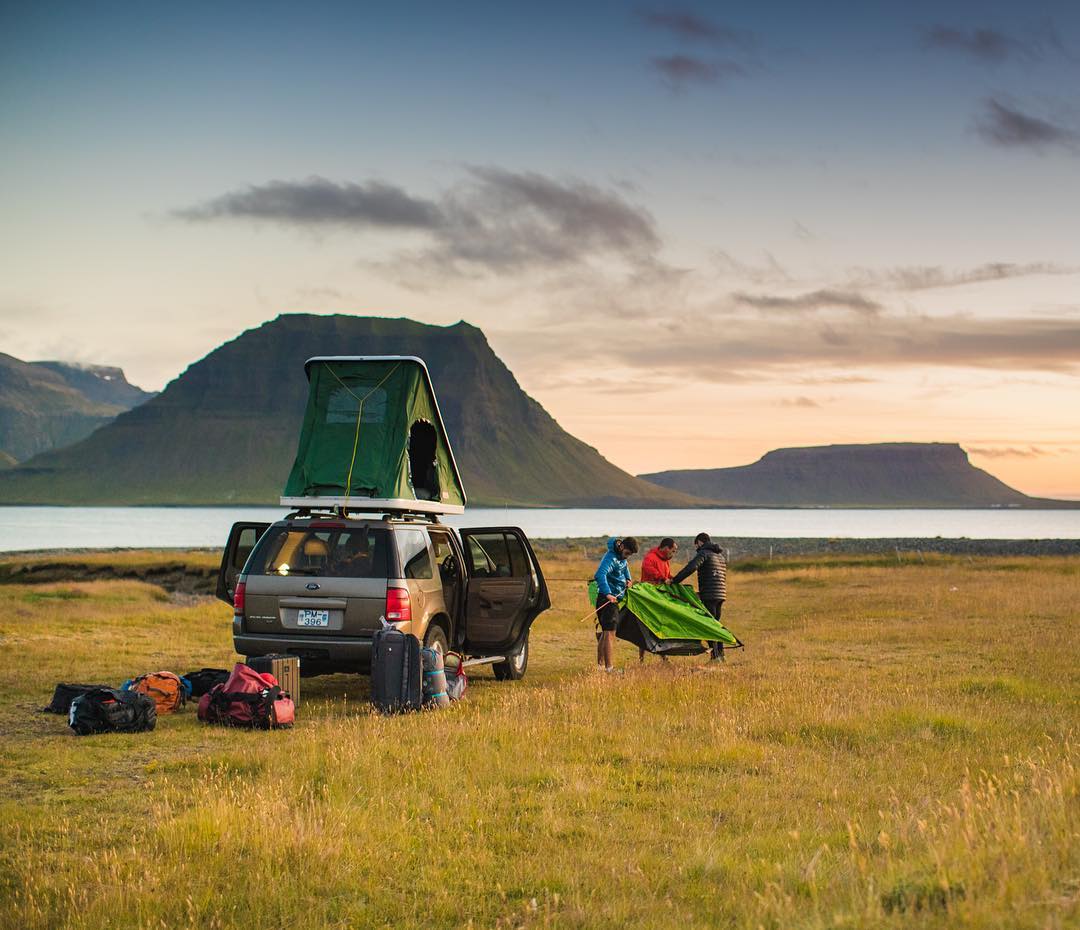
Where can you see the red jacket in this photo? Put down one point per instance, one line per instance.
(654, 569)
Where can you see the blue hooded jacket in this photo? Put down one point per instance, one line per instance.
(613, 574)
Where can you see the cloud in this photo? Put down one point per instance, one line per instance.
(493, 219)
(926, 277)
(691, 27)
(837, 379)
(680, 70)
(1005, 126)
(1002, 452)
(983, 44)
(319, 202)
(810, 302)
(787, 344)
(800, 401)
(769, 272)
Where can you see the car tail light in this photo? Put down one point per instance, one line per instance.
(238, 598)
(398, 607)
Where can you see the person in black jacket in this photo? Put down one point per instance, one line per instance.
(711, 567)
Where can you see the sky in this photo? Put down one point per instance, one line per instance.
(694, 232)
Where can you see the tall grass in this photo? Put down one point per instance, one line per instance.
(897, 746)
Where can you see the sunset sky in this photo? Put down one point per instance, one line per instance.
(695, 232)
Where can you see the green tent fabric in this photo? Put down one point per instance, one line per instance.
(372, 432)
(672, 612)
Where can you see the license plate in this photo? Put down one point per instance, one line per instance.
(312, 617)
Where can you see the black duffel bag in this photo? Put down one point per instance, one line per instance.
(105, 710)
(204, 679)
(65, 694)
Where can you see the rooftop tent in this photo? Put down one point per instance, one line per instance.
(373, 437)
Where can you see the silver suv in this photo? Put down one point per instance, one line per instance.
(318, 586)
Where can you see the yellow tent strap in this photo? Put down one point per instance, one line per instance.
(359, 416)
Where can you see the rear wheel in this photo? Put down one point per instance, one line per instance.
(513, 669)
(436, 636)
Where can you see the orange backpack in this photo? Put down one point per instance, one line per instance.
(165, 688)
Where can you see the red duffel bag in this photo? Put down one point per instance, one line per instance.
(247, 699)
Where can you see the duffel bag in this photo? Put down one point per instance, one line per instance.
(65, 694)
(248, 699)
(200, 682)
(456, 680)
(105, 710)
(165, 689)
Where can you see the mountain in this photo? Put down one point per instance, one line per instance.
(48, 404)
(100, 384)
(226, 430)
(894, 474)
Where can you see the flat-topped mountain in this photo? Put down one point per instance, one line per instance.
(226, 430)
(48, 404)
(891, 474)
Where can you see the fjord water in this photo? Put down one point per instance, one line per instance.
(26, 528)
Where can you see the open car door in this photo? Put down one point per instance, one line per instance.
(242, 539)
(504, 589)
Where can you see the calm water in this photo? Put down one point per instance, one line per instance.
(109, 527)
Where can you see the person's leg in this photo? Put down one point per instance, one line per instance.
(716, 649)
(608, 614)
(609, 649)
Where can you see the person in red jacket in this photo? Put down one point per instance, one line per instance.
(656, 569)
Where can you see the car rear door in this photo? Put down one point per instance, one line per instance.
(242, 539)
(505, 588)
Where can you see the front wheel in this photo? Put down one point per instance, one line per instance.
(513, 669)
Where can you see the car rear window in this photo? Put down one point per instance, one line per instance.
(334, 553)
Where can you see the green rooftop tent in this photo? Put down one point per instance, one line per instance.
(373, 438)
(667, 620)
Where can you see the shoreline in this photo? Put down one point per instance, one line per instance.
(739, 548)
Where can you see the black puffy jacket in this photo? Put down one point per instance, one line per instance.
(711, 567)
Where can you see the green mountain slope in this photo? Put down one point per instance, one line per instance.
(899, 474)
(48, 404)
(225, 431)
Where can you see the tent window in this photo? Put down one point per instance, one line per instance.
(343, 404)
(422, 467)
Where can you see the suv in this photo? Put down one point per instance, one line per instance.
(318, 586)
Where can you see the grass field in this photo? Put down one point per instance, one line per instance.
(896, 746)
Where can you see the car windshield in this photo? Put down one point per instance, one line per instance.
(342, 553)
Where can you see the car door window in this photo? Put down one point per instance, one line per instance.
(489, 556)
(413, 550)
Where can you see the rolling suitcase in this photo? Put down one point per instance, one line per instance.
(286, 669)
(396, 672)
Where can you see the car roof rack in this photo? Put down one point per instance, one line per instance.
(355, 513)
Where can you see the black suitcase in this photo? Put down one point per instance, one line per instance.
(396, 672)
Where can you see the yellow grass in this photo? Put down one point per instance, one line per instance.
(896, 746)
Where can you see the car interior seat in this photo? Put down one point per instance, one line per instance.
(315, 553)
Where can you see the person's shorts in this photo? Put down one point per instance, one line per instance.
(607, 614)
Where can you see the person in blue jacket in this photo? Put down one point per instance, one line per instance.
(612, 579)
